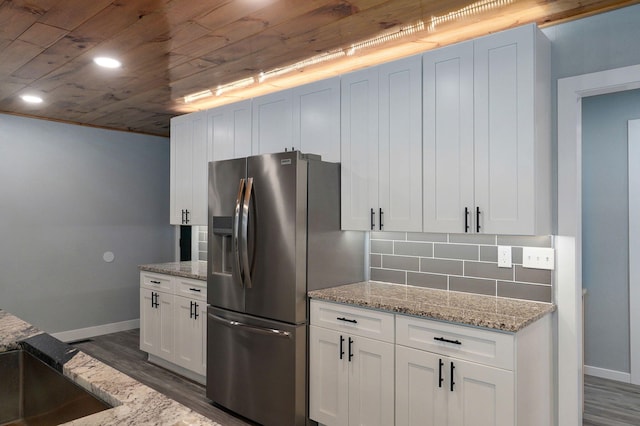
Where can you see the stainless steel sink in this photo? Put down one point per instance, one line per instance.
(32, 393)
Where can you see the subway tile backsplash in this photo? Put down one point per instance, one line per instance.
(459, 262)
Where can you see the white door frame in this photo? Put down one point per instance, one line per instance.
(568, 288)
(633, 138)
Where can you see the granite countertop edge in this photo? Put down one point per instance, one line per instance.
(491, 312)
(194, 269)
(132, 402)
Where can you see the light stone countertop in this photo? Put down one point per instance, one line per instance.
(510, 315)
(133, 403)
(196, 269)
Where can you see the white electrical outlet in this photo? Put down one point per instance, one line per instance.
(504, 256)
(538, 258)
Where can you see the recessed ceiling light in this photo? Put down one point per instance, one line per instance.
(103, 61)
(32, 99)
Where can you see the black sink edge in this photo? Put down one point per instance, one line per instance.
(50, 350)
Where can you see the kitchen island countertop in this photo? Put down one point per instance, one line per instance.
(510, 315)
(195, 269)
(133, 402)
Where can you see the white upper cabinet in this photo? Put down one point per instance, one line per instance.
(487, 146)
(381, 149)
(359, 149)
(400, 145)
(512, 132)
(229, 131)
(316, 119)
(188, 169)
(448, 138)
(272, 129)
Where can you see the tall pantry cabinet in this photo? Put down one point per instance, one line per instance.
(487, 148)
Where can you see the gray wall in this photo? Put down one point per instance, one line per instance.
(597, 43)
(605, 227)
(68, 194)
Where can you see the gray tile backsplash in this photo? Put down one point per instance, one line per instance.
(459, 262)
(202, 243)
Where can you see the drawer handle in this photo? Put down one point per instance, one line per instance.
(195, 289)
(155, 282)
(442, 339)
(347, 320)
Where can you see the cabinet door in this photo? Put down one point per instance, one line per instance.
(149, 322)
(198, 211)
(400, 145)
(316, 118)
(448, 138)
(421, 397)
(371, 381)
(189, 333)
(504, 131)
(180, 168)
(359, 150)
(166, 341)
(229, 131)
(481, 396)
(328, 378)
(188, 170)
(272, 129)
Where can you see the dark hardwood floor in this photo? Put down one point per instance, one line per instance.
(610, 403)
(607, 402)
(121, 351)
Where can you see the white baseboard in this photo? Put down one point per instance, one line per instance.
(98, 330)
(603, 373)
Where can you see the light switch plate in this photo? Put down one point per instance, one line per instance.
(538, 257)
(504, 257)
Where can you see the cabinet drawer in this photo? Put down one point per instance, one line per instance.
(156, 282)
(192, 289)
(356, 321)
(472, 344)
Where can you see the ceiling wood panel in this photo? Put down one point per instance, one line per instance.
(171, 48)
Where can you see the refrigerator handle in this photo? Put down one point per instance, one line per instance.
(252, 328)
(235, 246)
(245, 230)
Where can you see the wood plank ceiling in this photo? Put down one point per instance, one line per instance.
(171, 48)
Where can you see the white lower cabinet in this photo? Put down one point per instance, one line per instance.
(374, 368)
(351, 376)
(173, 313)
(434, 390)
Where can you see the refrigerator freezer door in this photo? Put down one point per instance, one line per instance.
(278, 237)
(257, 367)
(224, 279)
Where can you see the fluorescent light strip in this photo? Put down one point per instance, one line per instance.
(384, 38)
(238, 84)
(472, 9)
(198, 95)
(323, 57)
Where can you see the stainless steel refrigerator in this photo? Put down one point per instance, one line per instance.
(274, 233)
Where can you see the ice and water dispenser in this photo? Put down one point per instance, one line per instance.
(221, 245)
